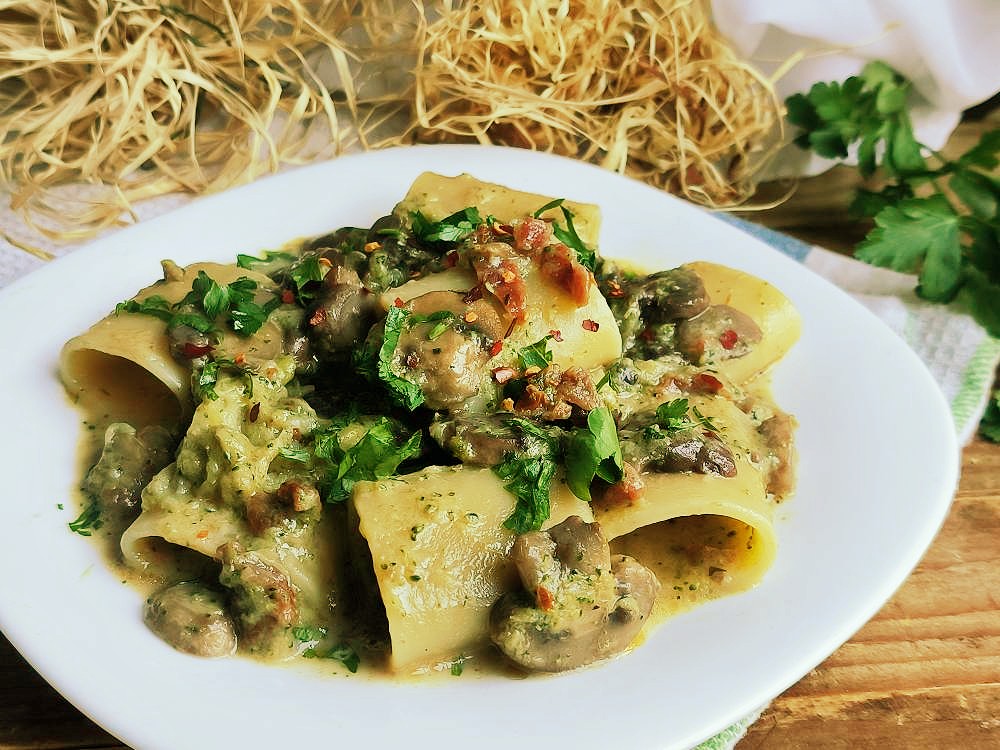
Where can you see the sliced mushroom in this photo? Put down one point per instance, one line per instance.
(262, 598)
(479, 440)
(447, 357)
(128, 462)
(677, 294)
(778, 433)
(192, 618)
(579, 604)
(343, 312)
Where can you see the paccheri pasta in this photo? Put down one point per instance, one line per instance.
(458, 431)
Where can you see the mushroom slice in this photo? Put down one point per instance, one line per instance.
(579, 604)
(192, 618)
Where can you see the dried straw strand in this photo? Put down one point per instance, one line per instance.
(140, 99)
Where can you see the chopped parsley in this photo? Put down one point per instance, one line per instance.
(268, 256)
(341, 652)
(593, 451)
(537, 354)
(376, 455)
(88, 521)
(206, 303)
(527, 474)
(405, 392)
(451, 229)
(675, 416)
(568, 235)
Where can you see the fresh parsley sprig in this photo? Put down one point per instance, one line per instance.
(537, 354)
(527, 474)
(676, 416)
(450, 230)
(376, 455)
(207, 301)
(593, 451)
(377, 364)
(936, 217)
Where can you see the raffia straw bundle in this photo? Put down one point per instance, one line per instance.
(644, 87)
(141, 98)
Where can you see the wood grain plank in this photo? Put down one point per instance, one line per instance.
(925, 671)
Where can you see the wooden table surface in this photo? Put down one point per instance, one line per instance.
(923, 673)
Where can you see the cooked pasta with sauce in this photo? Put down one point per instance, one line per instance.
(456, 436)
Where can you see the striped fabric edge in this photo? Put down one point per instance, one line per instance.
(975, 388)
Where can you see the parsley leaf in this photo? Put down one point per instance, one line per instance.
(294, 453)
(302, 275)
(868, 109)
(568, 235)
(451, 229)
(155, 305)
(537, 354)
(527, 474)
(341, 652)
(593, 451)
(88, 521)
(305, 633)
(918, 235)
(268, 256)
(989, 428)
(404, 391)
(675, 416)
(204, 379)
(951, 242)
(376, 455)
(206, 302)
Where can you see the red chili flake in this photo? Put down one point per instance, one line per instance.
(556, 334)
(287, 296)
(615, 289)
(647, 335)
(318, 317)
(504, 228)
(398, 302)
(240, 358)
(544, 597)
(591, 325)
(728, 338)
(193, 351)
(510, 328)
(503, 374)
(473, 295)
(708, 383)
(254, 412)
(203, 534)
(496, 348)
(451, 259)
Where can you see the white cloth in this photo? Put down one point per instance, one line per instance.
(949, 49)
